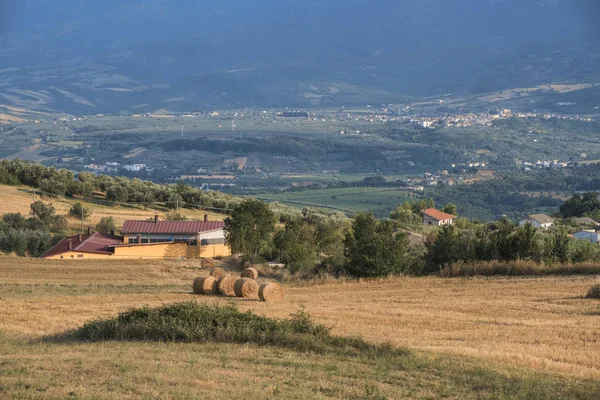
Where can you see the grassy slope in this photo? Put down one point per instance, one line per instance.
(15, 199)
(471, 338)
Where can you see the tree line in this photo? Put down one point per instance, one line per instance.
(62, 182)
(366, 247)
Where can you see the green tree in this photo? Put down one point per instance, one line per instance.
(372, 249)
(249, 230)
(79, 211)
(450, 208)
(15, 220)
(106, 225)
(117, 193)
(44, 212)
(296, 245)
(442, 248)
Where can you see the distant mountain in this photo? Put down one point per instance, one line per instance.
(81, 56)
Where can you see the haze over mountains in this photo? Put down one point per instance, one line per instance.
(86, 57)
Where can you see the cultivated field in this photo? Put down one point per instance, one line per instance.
(500, 328)
(354, 199)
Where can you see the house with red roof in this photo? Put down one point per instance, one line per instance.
(153, 239)
(431, 216)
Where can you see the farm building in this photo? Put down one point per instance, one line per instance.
(591, 235)
(147, 240)
(431, 216)
(542, 221)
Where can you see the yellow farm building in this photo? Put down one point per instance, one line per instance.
(147, 240)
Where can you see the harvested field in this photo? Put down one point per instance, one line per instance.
(524, 325)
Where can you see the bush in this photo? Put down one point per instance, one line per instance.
(516, 268)
(106, 225)
(79, 211)
(194, 322)
(594, 292)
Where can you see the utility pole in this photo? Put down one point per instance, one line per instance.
(233, 125)
(81, 212)
(181, 130)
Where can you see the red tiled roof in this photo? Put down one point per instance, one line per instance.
(438, 215)
(96, 243)
(168, 227)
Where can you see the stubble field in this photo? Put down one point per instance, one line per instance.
(468, 338)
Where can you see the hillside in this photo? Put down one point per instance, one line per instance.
(136, 56)
(18, 199)
(529, 338)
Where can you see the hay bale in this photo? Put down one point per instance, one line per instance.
(246, 288)
(205, 285)
(226, 286)
(251, 273)
(207, 263)
(271, 292)
(218, 273)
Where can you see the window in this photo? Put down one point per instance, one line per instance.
(80, 256)
(208, 242)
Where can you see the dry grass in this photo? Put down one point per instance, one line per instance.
(15, 200)
(541, 323)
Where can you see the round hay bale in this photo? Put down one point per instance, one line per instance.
(246, 288)
(207, 263)
(251, 273)
(218, 273)
(271, 292)
(226, 286)
(205, 285)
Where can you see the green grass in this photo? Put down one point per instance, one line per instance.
(377, 200)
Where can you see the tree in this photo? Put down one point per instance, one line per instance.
(14, 220)
(106, 225)
(296, 245)
(79, 211)
(249, 229)
(442, 249)
(450, 208)
(44, 212)
(175, 201)
(372, 249)
(117, 193)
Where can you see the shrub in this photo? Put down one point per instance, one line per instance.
(516, 268)
(106, 225)
(79, 211)
(195, 322)
(594, 292)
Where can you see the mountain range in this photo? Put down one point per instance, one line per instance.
(84, 57)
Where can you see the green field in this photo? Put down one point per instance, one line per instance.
(380, 201)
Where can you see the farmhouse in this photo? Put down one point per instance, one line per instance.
(538, 221)
(147, 240)
(431, 216)
(590, 235)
